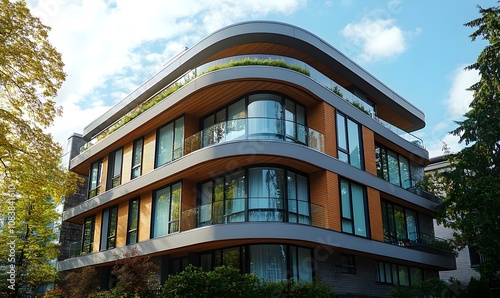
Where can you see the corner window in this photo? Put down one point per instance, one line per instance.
(349, 141)
(133, 221)
(166, 210)
(403, 226)
(394, 167)
(169, 142)
(354, 208)
(137, 158)
(88, 234)
(95, 179)
(108, 228)
(115, 169)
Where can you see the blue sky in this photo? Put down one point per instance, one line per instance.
(416, 47)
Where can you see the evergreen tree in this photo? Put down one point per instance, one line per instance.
(472, 203)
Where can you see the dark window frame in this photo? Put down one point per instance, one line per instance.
(108, 240)
(384, 166)
(169, 220)
(157, 143)
(129, 220)
(366, 210)
(134, 152)
(91, 236)
(246, 99)
(92, 192)
(347, 264)
(346, 151)
(114, 179)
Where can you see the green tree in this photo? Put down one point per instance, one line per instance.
(31, 179)
(473, 197)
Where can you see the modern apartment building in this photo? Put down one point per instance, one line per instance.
(265, 148)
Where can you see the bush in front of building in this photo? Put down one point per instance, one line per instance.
(225, 281)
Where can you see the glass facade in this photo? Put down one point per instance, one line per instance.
(115, 168)
(403, 226)
(396, 168)
(95, 178)
(166, 210)
(169, 142)
(108, 228)
(133, 221)
(255, 194)
(88, 234)
(272, 262)
(349, 141)
(398, 275)
(137, 158)
(256, 116)
(354, 208)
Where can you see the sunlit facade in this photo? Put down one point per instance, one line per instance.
(264, 148)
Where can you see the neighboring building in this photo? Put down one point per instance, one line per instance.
(263, 164)
(467, 259)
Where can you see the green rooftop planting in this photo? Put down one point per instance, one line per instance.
(146, 105)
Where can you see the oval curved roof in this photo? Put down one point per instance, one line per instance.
(262, 32)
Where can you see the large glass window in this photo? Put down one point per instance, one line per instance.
(88, 234)
(349, 142)
(354, 208)
(115, 168)
(108, 227)
(394, 167)
(403, 226)
(133, 221)
(166, 210)
(255, 194)
(137, 158)
(256, 116)
(169, 142)
(398, 275)
(95, 178)
(272, 262)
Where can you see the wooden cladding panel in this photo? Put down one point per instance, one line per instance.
(122, 224)
(148, 159)
(127, 163)
(145, 209)
(97, 232)
(375, 214)
(369, 150)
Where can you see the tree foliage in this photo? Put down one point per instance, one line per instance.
(473, 197)
(81, 283)
(31, 72)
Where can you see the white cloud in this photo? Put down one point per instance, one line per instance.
(118, 44)
(376, 38)
(455, 105)
(459, 98)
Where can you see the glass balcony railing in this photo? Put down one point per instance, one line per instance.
(254, 128)
(253, 210)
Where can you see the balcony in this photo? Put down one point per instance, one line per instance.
(423, 242)
(253, 210)
(254, 129)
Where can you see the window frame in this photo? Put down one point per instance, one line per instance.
(108, 240)
(384, 170)
(348, 264)
(134, 152)
(347, 150)
(112, 163)
(352, 219)
(137, 218)
(91, 236)
(92, 192)
(174, 137)
(169, 220)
